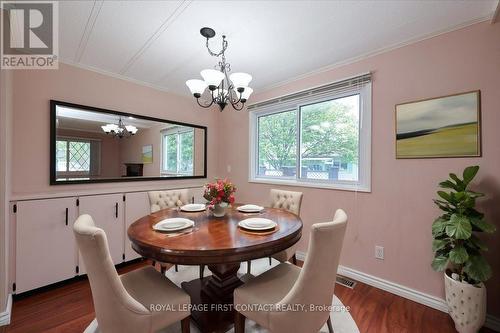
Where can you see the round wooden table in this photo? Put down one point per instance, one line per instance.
(220, 244)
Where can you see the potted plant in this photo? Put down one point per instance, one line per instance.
(219, 196)
(457, 251)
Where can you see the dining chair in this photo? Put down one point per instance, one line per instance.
(286, 286)
(139, 301)
(290, 201)
(170, 199)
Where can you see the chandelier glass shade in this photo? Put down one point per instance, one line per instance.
(224, 89)
(119, 130)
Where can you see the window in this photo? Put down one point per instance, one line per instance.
(178, 150)
(77, 157)
(319, 138)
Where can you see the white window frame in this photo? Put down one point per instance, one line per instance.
(178, 131)
(364, 168)
(68, 173)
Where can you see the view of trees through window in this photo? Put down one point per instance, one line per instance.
(178, 152)
(329, 141)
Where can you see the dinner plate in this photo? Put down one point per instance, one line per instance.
(250, 208)
(173, 224)
(193, 207)
(257, 223)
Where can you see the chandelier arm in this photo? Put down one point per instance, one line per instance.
(235, 106)
(206, 105)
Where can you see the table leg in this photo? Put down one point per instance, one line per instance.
(212, 298)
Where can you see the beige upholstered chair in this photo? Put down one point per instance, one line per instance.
(125, 303)
(290, 285)
(290, 201)
(168, 199)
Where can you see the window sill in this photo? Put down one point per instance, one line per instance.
(291, 182)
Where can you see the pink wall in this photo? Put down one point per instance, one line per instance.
(34, 88)
(398, 213)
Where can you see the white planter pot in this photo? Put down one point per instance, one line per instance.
(466, 304)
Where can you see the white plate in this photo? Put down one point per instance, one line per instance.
(257, 223)
(193, 207)
(173, 224)
(250, 208)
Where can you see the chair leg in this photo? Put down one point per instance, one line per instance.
(185, 324)
(163, 269)
(153, 263)
(176, 268)
(202, 271)
(329, 323)
(270, 261)
(249, 267)
(239, 322)
(294, 260)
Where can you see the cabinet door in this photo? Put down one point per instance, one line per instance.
(136, 206)
(45, 245)
(107, 212)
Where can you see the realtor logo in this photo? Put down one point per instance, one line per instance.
(29, 35)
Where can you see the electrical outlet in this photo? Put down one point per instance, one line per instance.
(379, 252)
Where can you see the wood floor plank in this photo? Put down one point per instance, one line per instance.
(69, 309)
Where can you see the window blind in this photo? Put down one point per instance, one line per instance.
(314, 94)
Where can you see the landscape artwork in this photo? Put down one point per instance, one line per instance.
(439, 127)
(147, 154)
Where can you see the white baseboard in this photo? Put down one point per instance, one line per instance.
(5, 315)
(434, 302)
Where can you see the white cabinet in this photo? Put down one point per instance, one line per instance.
(136, 206)
(45, 245)
(107, 212)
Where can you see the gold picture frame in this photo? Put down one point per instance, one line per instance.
(439, 127)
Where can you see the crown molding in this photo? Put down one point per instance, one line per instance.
(119, 76)
(496, 15)
(375, 53)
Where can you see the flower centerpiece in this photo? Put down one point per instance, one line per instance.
(219, 196)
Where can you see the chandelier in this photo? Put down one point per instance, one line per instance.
(120, 130)
(224, 89)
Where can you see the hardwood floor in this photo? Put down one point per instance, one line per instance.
(68, 308)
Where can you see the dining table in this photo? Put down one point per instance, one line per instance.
(220, 244)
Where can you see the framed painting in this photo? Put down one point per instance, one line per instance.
(147, 154)
(448, 126)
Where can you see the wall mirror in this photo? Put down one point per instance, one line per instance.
(90, 145)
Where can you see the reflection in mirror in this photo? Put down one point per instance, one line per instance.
(92, 145)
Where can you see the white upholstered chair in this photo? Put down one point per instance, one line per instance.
(287, 285)
(126, 303)
(290, 201)
(170, 199)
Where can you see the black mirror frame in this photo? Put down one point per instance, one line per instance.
(53, 179)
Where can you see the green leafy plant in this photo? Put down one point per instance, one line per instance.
(456, 245)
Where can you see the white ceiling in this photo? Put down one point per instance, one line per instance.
(158, 42)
